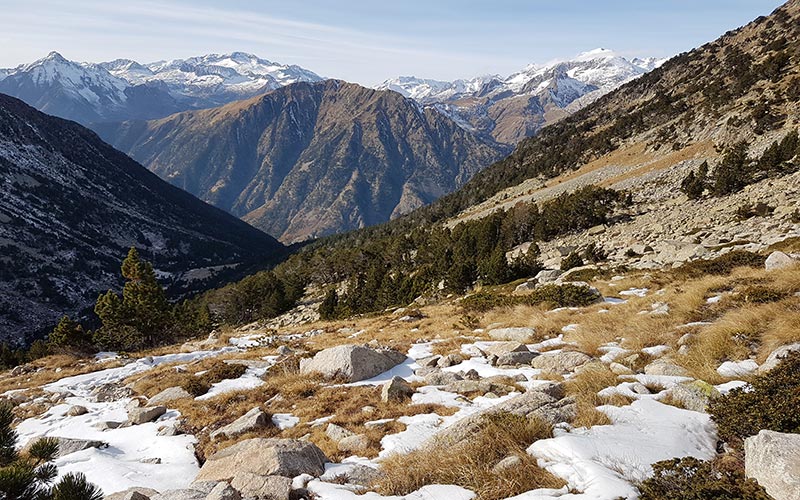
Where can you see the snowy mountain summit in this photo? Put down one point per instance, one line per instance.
(516, 106)
(124, 89)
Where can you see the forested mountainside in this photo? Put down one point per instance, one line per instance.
(72, 206)
(726, 112)
(127, 90)
(309, 160)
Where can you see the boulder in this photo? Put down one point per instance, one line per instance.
(182, 494)
(618, 369)
(500, 348)
(547, 275)
(337, 433)
(560, 362)
(515, 358)
(141, 415)
(75, 411)
(516, 334)
(665, 367)
(449, 360)
(262, 487)
(775, 357)
(428, 362)
(354, 444)
(778, 260)
(135, 493)
(362, 475)
(773, 459)
(352, 362)
(694, 395)
(167, 395)
(71, 445)
(264, 457)
(397, 389)
(532, 404)
(250, 421)
(223, 491)
(111, 392)
(441, 378)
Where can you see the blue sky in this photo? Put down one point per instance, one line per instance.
(367, 41)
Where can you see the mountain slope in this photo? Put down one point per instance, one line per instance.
(71, 207)
(126, 90)
(309, 160)
(516, 107)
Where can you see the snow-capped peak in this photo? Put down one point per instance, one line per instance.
(598, 53)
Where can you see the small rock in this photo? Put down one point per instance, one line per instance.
(138, 416)
(516, 358)
(449, 360)
(337, 433)
(271, 487)
(507, 463)
(471, 374)
(694, 395)
(665, 367)
(154, 460)
(135, 493)
(397, 389)
(167, 395)
(429, 362)
(776, 356)
(354, 444)
(223, 491)
(778, 260)
(500, 348)
(442, 378)
(76, 411)
(250, 421)
(560, 362)
(619, 369)
(639, 388)
(106, 425)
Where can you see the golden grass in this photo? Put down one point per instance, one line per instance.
(470, 464)
(584, 386)
(52, 368)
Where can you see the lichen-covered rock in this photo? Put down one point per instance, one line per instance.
(776, 356)
(560, 362)
(397, 389)
(516, 334)
(263, 487)
(168, 395)
(694, 395)
(779, 260)
(146, 414)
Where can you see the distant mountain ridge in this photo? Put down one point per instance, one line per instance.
(72, 206)
(515, 107)
(308, 160)
(127, 90)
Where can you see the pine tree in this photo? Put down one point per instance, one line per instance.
(327, 310)
(28, 476)
(69, 334)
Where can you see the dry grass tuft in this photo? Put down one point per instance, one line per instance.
(584, 386)
(470, 464)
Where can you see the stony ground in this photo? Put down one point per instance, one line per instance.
(524, 402)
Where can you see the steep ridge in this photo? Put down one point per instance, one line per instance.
(309, 160)
(71, 207)
(513, 108)
(127, 90)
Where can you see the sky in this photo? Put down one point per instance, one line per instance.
(367, 41)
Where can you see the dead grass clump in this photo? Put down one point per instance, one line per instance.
(583, 387)
(449, 346)
(471, 464)
(51, 368)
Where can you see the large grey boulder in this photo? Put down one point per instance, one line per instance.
(71, 445)
(779, 260)
(532, 404)
(776, 356)
(264, 457)
(773, 459)
(263, 487)
(561, 361)
(250, 421)
(516, 334)
(168, 395)
(439, 377)
(352, 362)
(141, 415)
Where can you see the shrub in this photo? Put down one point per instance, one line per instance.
(486, 301)
(571, 261)
(723, 264)
(592, 253)
(770, 402)
(196, 386)
(692, 479)
(762, 295)
(567, 295)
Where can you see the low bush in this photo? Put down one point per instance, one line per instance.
(723, 264)
(762, 294)
(566, 295)
(195, 386)
(692, 479)
(220, 371)
(771, 402)
(571, 261)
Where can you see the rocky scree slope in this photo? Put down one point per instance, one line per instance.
(72, 206)
(309, 160)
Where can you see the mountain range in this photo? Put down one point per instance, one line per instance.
(124, 89)
(310, 159)
(72, 206)
(515, 107)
